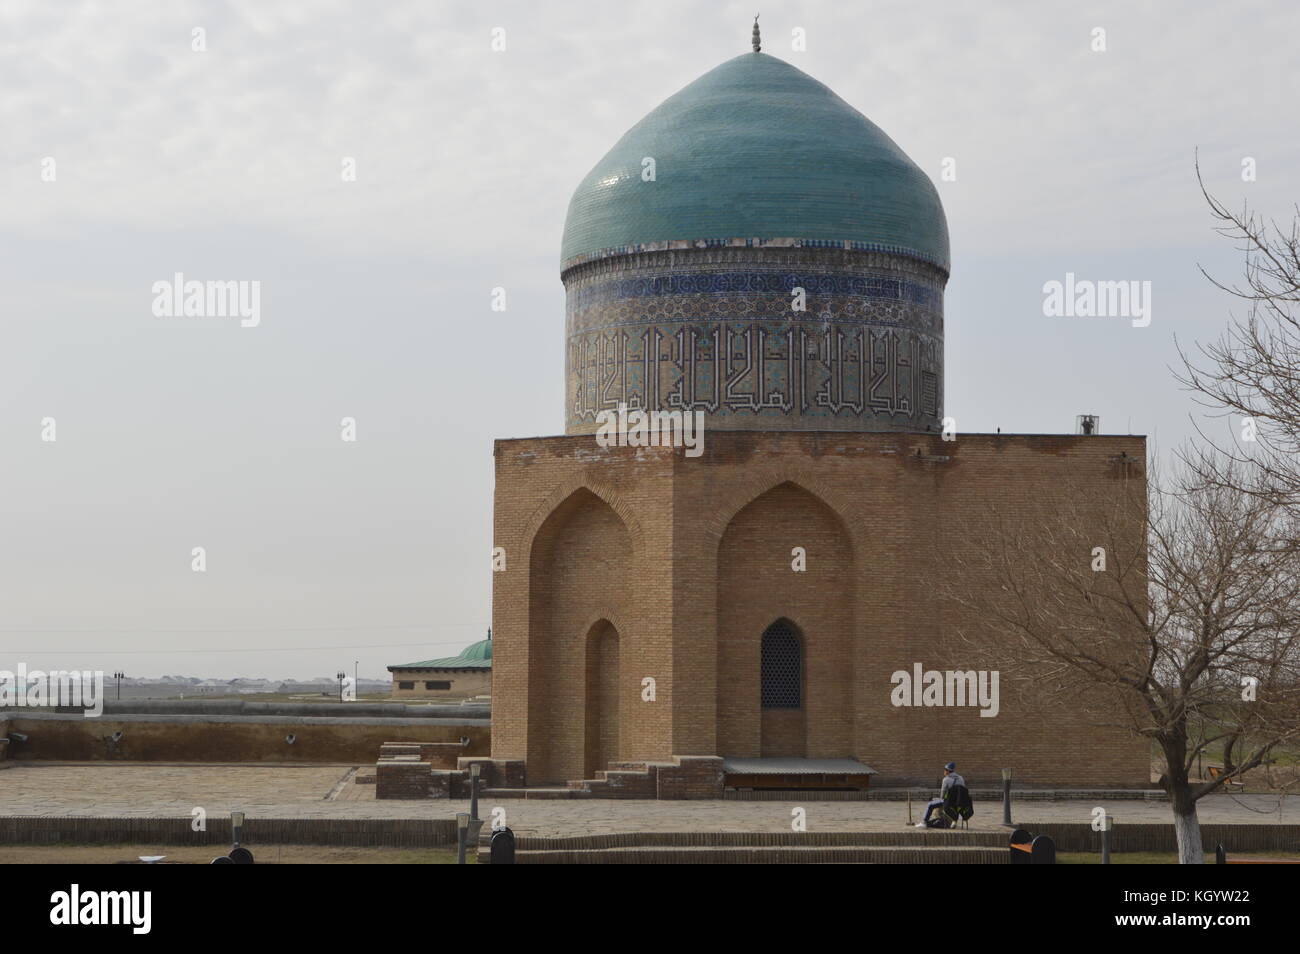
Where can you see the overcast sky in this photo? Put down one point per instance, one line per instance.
(177, 433)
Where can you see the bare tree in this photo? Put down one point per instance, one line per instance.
(1173, 613)
(1253, 369)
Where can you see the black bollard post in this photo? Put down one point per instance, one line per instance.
(1042, 851)
(1020, 847)
(462, 831)
(1107, 822)
(1006, 798)
(501, 849)
(473, 790)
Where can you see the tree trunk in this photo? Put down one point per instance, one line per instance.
(1188, 829)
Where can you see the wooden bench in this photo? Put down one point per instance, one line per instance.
(1216, 772)
(1221, 858)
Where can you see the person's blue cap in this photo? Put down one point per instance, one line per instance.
(951, 766)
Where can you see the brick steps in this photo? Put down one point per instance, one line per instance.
(617, 783)
(683, 777)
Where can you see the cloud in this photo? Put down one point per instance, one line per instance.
(227, 164)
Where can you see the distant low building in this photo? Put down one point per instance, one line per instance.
(469, 674)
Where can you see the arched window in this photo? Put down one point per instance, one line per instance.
(782, 667)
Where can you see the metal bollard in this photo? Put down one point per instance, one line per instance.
(501, 849)
(1042, 851)
(1020, 840)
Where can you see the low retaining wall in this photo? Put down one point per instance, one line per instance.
(248, 707)
(356, 832)
(763, 856)
(414, 770)
(231, 738)
(1161, 837)
(909, 846)
(907, 838)
(1068, 837)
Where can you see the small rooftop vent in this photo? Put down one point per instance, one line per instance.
(1087, 424)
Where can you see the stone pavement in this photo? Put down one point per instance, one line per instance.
(328, 791)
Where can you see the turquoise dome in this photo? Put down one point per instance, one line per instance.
(756, 149)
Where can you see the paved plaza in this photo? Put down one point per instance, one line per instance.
(329, 791)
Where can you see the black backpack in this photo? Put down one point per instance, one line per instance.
(957, 805)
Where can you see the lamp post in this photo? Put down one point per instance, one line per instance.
(356, 678)
(1006, 798)
(340, 676)
(119, 676)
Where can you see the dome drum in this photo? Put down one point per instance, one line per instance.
(717, 330)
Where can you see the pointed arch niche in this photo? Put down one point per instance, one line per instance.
(763, 599)
(579, 571)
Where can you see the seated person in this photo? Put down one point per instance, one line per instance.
(950, 778)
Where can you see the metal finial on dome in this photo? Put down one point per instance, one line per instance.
(758, 43)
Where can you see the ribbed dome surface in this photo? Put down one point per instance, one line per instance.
(475, 656)
(757, 149)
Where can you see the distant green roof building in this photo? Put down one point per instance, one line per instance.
(475, 656)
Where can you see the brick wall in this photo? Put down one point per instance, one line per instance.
(464, 683)
(402, 778)
(694, 776)
(496, 773)
(688, 560)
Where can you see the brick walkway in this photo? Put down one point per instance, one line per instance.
(304, 791)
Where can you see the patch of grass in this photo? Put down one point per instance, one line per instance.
(203, 855)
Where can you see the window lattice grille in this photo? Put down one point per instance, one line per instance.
(781, 668)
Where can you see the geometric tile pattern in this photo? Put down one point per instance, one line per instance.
(716, 330)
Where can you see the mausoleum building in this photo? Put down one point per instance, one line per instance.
(757, 252)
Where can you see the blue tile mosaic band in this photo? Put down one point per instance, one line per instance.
(719, 331)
